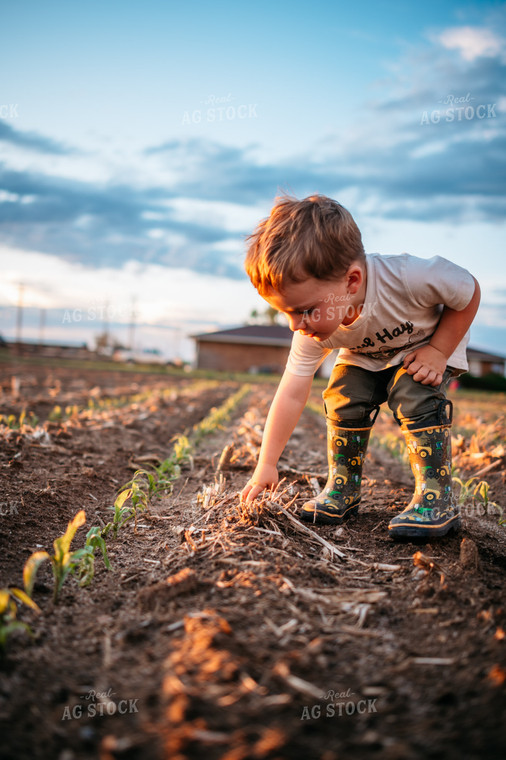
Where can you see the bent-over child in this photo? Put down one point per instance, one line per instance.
(401, 324)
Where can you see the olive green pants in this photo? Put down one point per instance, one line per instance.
(354, 395)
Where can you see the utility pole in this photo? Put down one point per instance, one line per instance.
(131, 329)
(19, 317)
(105, 321)
(42, 323)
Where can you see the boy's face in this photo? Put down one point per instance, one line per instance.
(317, 307)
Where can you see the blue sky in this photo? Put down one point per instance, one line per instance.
(141, 142)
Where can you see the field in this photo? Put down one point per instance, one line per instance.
(234, 633)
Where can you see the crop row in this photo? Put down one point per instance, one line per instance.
(134, 496)
(106, 404)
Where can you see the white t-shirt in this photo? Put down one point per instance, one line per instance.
(402, 307)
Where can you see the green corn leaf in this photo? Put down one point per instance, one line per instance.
(93, 533)
(86, 570)
(99, 543)
(75, 557)
(96, 541)
(14, 625)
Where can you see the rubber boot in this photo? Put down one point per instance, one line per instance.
(346, 448)
(432, 510)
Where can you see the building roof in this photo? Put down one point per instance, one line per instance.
(259, 335)
(475, 354)
(48, 343)
(281, 335)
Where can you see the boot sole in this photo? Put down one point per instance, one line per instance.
(427, 531)
(320, 517)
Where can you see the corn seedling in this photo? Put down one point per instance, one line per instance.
(122, 514)
(477, 492)
(140, 490)
(469, 491)
(393, 444)
(15, 423)
(71, 412)
(55, 414)
(8, 613)
(145, 485)
(9, 421)
(115, 402)
(86, 564)
(218, 415)
(181, 454)
(169, 469)
(63, 560)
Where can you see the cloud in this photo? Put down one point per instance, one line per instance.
(33, 141)
(433, 146)
(421, 151)
(103, 225)
(473, 42)
(209, 170)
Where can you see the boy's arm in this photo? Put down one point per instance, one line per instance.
(428, 363)
(286, 408)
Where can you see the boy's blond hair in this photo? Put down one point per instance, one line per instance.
(315, 237)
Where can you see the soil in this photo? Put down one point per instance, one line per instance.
(230, 632)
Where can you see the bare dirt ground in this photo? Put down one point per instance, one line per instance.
(226, 632)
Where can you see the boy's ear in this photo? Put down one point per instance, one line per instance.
(354, 278)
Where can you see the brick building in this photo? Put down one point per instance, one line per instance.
(251, 348)
(483, 363)
(265, 348)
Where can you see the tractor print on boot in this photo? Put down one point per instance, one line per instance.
(432, 511)
(339, 499)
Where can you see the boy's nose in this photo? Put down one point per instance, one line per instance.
(297, 322)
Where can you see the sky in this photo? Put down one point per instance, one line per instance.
(140, 143)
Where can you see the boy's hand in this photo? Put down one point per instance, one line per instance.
(265, 476)
(427, 365)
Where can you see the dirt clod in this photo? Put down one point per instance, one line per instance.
(469, 554)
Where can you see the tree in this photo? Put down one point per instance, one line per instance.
(269, 316)
(105, 343)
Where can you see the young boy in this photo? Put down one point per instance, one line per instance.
(401, 326)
